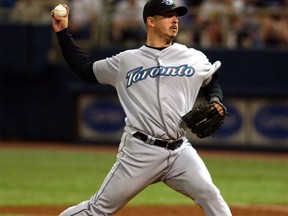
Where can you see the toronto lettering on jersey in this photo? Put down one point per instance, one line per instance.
(139, 74)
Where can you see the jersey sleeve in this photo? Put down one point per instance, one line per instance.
(211, 88)
(106, 70)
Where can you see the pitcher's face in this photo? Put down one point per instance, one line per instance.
(167, 25)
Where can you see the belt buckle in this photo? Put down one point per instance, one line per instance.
(172, 145)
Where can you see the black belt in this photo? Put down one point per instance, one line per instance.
(168, 145)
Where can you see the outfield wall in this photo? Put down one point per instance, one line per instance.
(252, 122)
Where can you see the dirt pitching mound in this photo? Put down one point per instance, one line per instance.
(239, 210)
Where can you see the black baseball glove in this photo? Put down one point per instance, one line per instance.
(205, 118)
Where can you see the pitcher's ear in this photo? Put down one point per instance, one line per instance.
(150, 21)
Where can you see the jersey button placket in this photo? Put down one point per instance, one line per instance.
(162, 97)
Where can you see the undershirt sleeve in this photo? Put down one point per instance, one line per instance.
(78, 60)
(213, 90)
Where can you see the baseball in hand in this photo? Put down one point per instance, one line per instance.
(59, 11)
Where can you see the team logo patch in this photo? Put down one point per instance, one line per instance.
(168, 2)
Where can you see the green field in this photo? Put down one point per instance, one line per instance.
(49, 177)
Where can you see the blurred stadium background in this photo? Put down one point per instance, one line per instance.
(42, 100)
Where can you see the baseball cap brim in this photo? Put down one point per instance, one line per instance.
(180, 11)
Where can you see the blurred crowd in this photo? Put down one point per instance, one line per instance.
(210, 23)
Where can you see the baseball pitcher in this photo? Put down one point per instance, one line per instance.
(157, 85)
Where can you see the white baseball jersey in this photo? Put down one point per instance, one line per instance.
(170, 79)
